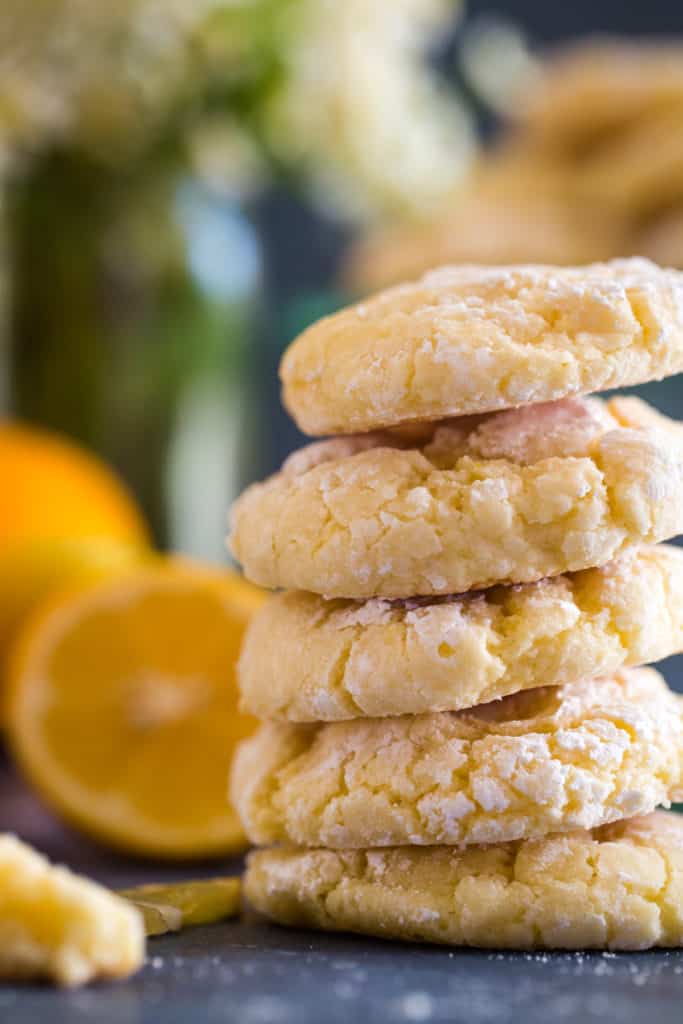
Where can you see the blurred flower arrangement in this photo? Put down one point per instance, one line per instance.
(133, 138)
(311, 88)
(383, 134)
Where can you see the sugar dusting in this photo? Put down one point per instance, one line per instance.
(279, 986)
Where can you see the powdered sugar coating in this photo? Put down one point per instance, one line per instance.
(472, 339)
(539, 761)
(445, 508)
(308, 659)
(619, 887)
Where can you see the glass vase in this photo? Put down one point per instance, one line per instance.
(133, 292)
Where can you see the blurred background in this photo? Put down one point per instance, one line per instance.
(186, 184)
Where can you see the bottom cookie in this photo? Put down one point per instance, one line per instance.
(617, 887)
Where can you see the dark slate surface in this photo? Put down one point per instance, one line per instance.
(250, 972)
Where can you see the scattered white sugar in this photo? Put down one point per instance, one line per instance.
(425, 914)
(265, 1010)
(345, 965)
(489, 794)
(415, 1006)
(344, 990)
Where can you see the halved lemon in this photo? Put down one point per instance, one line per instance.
(122, 707)
(33, 569)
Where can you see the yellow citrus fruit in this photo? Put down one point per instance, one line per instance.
(53, 488)
(32, 570)
(122, 706)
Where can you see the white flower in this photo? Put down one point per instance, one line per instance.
(341, 90)
(362, 110)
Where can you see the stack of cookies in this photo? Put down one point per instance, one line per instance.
(457, 746)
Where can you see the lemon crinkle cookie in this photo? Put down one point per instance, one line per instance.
(597, 89)
(663, 238)
(57, 925)
(619, 887)
(487, 229)
(510, 497)
(539, 761)
(472, 339)
(641, 170)
(306, 659)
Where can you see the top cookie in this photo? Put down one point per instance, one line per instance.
(475, 339)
